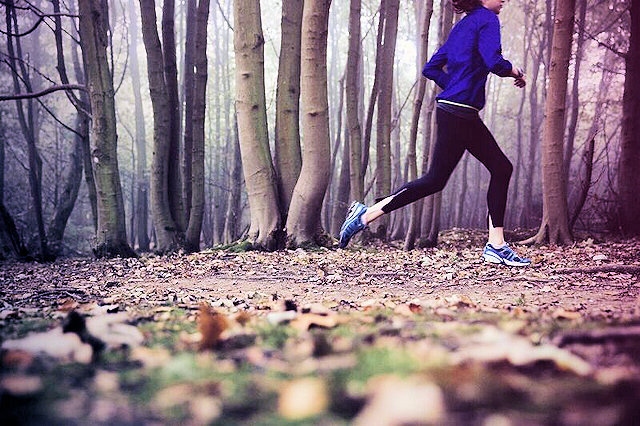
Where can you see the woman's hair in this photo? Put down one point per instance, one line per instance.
(461, 6)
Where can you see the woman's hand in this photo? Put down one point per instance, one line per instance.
(520, 77)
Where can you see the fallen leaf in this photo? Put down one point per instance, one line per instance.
(566, 315)
(150, 357)
(211, 325)
(396, 401)
(303, 398)
(55, 343)
(21, 385)
(305, 321)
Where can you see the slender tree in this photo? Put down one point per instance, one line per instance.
(555, 219)
(196, 211)
(175, 194)
(416, 209)
(303, 223)
(10, 241)
(28, 118)
(575, 90)
(352, 95)
(111, 238)
(259, 174)
(169, 235)
(628, 176)
(141, 212)
(288, 157)
(385, 99)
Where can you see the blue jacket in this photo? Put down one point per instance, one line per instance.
(471, 52)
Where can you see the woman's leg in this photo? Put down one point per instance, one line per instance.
(447, 152)
(485, 148)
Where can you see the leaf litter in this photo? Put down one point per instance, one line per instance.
(372, 334)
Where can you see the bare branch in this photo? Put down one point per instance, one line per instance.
(224, 16)
(42, 92)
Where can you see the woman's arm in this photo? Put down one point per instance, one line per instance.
(490, 48)
(434, 68)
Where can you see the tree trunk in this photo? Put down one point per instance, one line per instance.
(141, 212)
(334, 208)
(446, 23)
(87, 164)
(265, 229)
(588, 151)
(288, 159)
(111, 239)
(10, 242)
(515, 192)
(188, 93)
(352, 99)
(628, 176)
(555, 220)
(385, 99)
(176, 198)
(168, 234)
(234, 207)
(71, 186)
(341, 200)
(28, 123)
(416, 209)
(375, 90)
(199, 104)
(575, 94)
(303, 224)
(526, 216)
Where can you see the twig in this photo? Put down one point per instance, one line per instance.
(625, 269)
(597, 336)
(51, 89)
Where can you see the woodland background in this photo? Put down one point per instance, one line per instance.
(259, 122)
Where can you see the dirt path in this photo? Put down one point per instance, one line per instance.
(347, 278)
(418, 337)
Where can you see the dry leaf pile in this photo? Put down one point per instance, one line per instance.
(372, 335)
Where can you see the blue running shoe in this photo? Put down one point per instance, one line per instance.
(503, 255)
(352, 224)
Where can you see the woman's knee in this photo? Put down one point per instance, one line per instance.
(430, 184)
(503, 170)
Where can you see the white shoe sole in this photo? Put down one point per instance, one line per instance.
(500, 261)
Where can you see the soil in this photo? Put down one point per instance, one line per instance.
(584, 299)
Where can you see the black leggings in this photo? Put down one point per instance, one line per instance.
(455, 135)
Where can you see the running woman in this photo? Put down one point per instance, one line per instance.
(460, 68)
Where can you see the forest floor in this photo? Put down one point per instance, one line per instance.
(370, 335)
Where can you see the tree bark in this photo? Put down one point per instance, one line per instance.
(10, 242)
(288, 157)
(416, 209)
(352, 92)
(435, 202)
(188, 93)
(526, 216)
(375, 90)
(111, 238)
(628, 176)
(28, 123)
(71, 187)
(168, 234)
(555, 220)
(575, 93)
(588, 152)
(259, 174)
(303, 223)
(385, 99)
(199, 104)
(141, 212)
(234, 208)
(176, 198)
